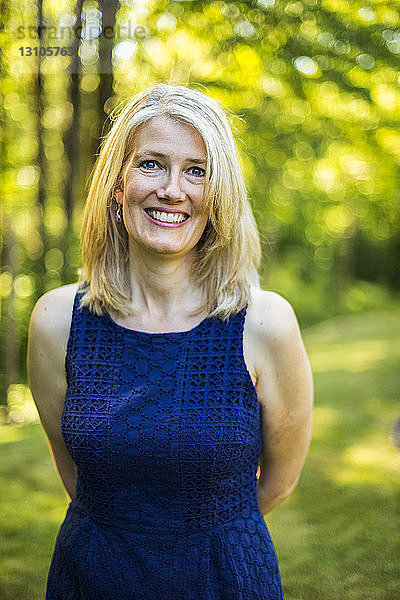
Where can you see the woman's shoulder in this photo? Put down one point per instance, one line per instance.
(272, 336)
(270, 317)
(52, 312)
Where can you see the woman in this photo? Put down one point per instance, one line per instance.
(166, 375)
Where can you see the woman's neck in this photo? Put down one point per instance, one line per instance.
(163, 286)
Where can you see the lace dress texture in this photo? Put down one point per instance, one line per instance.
(165, 431)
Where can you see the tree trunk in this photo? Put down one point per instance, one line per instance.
(106, 44)
(41, 163)
(345, 267)
(71, 136)
(12, 366)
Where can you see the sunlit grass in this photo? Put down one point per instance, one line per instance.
(351, 357)
(336, 536)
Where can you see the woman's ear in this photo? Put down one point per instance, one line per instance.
(119, 195)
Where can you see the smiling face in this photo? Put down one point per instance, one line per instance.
(164, 186)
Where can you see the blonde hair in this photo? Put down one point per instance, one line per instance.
(228, 252)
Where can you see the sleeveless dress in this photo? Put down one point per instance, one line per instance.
(165, 431)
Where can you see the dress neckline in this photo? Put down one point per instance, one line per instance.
(129, 331)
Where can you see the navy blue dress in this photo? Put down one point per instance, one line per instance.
(165, 431)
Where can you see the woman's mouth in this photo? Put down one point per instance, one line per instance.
(166, 219)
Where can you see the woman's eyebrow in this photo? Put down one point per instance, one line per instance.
(147, 153)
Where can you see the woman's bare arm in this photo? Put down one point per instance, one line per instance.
(285, 390)
(47, 342)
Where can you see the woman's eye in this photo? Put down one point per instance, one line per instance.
(148, 164)
(197, 171)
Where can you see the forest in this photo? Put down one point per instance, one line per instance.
(312, 88)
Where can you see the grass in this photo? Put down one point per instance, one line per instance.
(33, 505)
(337, 536)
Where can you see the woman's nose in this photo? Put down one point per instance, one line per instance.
(171, 187)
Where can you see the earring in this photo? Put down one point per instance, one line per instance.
(118, 214)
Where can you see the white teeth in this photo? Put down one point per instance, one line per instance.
(167, 217)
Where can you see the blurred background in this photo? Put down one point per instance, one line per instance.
(314, 90)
